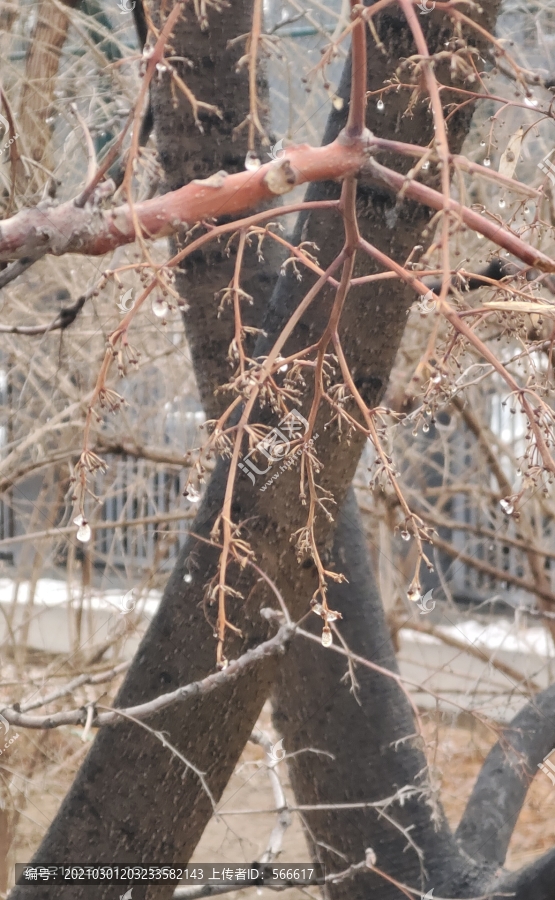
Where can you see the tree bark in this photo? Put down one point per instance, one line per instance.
(214, 78)
(313, 706)
(312, 675)
(500, 790)
(41, 70)
(535, 881)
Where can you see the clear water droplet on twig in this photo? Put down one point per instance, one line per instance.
(84, 533)
(160, 308)
(252, 162)
(414, 594)
(191, 493)
(327, 638)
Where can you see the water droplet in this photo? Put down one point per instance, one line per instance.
(507, 507)
(160, 308)
(526, 210)
(188, 578)
(487, 162)
(128, 602)
(425, 166)
(327, 638)
(405, 535)
(479, 236)
(252, 162)
(78, 520)
(371, 858)
(502, 203)
(380, 105)
(414, 594)
(191, 493)
(84, 533)
(338, 103)
(531, 101)
(482, 143)
(437, 378)
(425, 428)
(333, 616)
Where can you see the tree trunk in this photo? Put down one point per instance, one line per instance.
(500, 790)
(41, 70)
(315, 707)
(314, 779)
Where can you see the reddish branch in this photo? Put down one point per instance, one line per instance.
(495, 230)
(92, 231)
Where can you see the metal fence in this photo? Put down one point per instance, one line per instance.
(135, 490)
(507, 424)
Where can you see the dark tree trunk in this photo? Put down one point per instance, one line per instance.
(350, 775)
(315, 707)
(384, 715)
(536, 882)
(187, 153)
(500, 790)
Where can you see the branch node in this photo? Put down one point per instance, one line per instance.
(280, 178)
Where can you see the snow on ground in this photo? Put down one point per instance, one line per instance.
(57, 617)
(500, 634)
(52, 592)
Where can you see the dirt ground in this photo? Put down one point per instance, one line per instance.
(39, 767)
(456, 754)
(460, 753)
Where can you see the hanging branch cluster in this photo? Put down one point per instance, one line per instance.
(319, 375)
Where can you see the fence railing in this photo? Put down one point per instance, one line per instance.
(135, 490)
